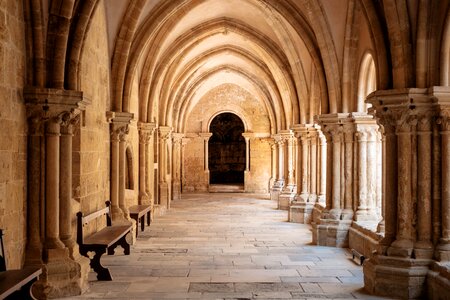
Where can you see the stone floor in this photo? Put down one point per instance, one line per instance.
(228, 246)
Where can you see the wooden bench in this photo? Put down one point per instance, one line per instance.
(138, 213)
(16, 284)
(105, 240)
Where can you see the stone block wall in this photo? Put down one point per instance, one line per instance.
(257, 180)
(13, 138)
(92, 141)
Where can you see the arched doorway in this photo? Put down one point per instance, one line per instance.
(226, 158)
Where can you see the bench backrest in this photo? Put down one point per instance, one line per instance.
(2, 254)
(83, 220)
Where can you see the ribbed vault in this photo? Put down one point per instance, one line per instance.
(177, 51)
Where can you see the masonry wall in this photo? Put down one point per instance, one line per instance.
(92, 142)
(234, 99)
(13, 138)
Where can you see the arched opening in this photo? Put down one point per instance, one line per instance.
(129, 178)
(226, 158)
(367, 82)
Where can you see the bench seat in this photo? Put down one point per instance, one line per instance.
(108, 236)
(139, 213)
(18, 280)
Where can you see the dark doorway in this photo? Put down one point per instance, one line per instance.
(226, 150)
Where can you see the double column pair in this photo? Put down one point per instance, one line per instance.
(310, 172)
(353, 189)
(417, 192)
(52, 115)
(119, 124)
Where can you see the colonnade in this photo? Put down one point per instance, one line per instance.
(337, 167)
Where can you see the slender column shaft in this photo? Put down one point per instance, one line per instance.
(247, 154)
(348, 171)
(445, 167)
(323, 167)
(424, 185)
(115, 176)
(330, 168)
(290, 159)
(122, 170)
(391, 186)
(371, 172)
(304, 182)
(281, 161)
(65, 225)
(273, 148)
(404, 206)
(313, 191)
(34, 245)
(336, 172)
(206, 146)
(52, 240)
(362, 172)
(142, 168)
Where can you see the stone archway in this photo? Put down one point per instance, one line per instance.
(227, 150)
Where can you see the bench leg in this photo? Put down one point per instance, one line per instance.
(122, 242)
(142, 224)
(148, 219)
(102, 272)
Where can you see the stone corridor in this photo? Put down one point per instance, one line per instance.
(228, 246)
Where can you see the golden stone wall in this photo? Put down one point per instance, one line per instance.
(92, 141)
(13, 139)
(227, 98)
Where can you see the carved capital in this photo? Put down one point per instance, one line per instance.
(164, 133)
(177, 138)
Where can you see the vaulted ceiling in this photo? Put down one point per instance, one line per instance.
(283, 52)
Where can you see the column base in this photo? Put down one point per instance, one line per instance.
(300, 212)
(363, 238)
(438, 280)
(396, 277)
(332, 233)
(62, 276)
(285, 198)
(176, 191)
(164, 194)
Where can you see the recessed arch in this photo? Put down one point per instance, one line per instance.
(367, 82)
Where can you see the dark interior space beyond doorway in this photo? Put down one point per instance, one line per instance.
(227, 150)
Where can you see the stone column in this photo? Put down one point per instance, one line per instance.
(443, 248)
(123, 140)
(206, 136)
(301, 208)
(184, 142)
(279, 173)
(176, 181)
(52, 137)
(323, 168)
(290, 189)
(66, 216)
(119, 125)
(164, 135)
(35, 175)
(145, 161)
(402, 267)
(313, 166)
(332, 228)
(273, 178)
